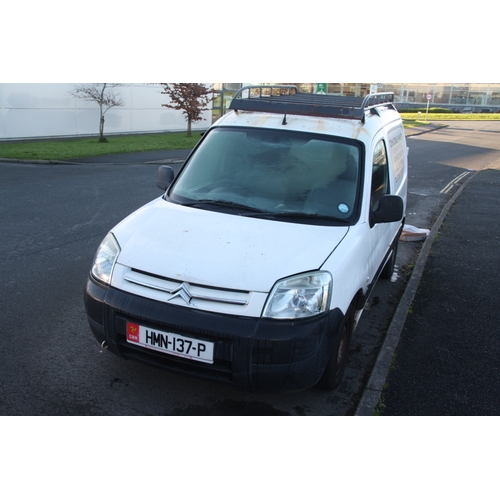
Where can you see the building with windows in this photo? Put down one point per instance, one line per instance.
(41, 110)
(451, 95)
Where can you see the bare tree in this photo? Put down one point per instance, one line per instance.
(104, 94)
(190, 98)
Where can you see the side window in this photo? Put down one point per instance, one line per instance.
(380, 175)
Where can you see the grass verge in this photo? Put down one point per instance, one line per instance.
(65, 149)
(409, 123)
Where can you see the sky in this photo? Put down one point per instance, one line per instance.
(154, 41)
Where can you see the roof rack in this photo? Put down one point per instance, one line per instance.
(287, 99)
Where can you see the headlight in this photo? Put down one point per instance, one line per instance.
(299, 296)
(105, 259)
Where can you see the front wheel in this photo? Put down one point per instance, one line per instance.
(334, 371)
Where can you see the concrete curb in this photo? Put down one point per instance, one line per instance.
(373, 390)
(424, 129)
(37, 162)
(63, 162)
(168, 160)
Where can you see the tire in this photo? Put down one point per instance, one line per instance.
(334, 371)
(388, 270)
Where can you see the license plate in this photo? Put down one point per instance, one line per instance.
(170, 343)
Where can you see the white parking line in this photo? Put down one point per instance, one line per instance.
(448, 187)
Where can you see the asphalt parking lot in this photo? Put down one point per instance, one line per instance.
(53, 218)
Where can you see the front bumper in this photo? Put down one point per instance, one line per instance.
(253, 354)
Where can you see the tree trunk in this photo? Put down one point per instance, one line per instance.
(189, 128)
(101, 122)
(101, 130)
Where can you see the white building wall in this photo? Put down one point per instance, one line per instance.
(39, 110)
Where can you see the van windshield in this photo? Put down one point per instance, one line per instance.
(273, 173)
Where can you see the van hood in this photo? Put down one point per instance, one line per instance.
(221, 250)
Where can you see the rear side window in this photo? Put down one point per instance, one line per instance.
(380, 175)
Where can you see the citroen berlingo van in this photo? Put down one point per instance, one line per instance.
(254, 265)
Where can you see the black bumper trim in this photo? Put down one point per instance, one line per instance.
(253, 354)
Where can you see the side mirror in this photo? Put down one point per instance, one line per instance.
(164, 177)
(390, 209)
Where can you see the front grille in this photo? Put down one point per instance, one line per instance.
(188, 291)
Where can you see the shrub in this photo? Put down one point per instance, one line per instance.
(424, 110)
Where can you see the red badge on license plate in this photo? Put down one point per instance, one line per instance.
(132, 332)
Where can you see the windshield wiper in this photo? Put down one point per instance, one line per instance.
(221, 203)
(297, 215)
(249, 211)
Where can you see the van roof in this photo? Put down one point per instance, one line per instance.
(285, 99)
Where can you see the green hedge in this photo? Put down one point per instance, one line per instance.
(452, 116)
(424, 110)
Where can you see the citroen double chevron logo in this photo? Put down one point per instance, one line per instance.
(183, 292)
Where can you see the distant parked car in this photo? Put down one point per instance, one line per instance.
(486, 110)
(467, 110)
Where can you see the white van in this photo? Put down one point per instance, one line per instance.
(254, 266)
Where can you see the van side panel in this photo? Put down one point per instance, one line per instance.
(398, 160)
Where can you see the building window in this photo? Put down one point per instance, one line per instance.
(225, 94)
(459, 93)
(494, 99)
